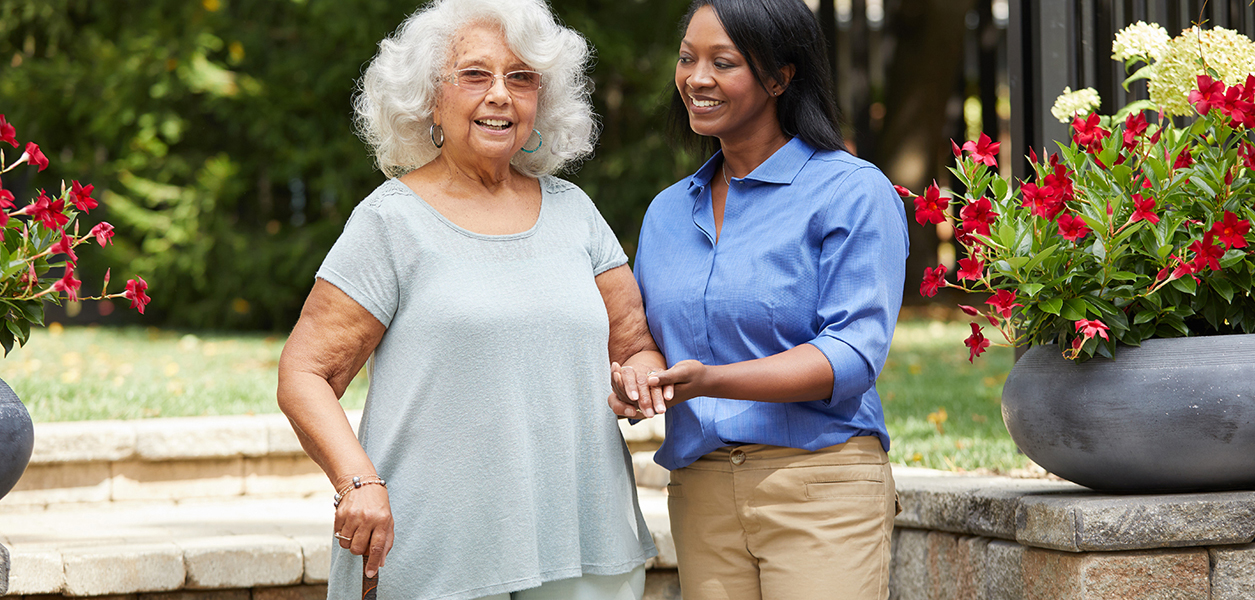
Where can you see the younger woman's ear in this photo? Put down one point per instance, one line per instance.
(783, 78)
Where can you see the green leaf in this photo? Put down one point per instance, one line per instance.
(1000, 188)
(1030, 290)
(1040, 256)
(1051, 306)
(1074, 309)
(1185, 284)
(1144, 316)
(1124, 276)
(1222, 287)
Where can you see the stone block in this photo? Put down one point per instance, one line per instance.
(297, 592)
(200, 595)
(1233, 572)
(35, 571)
(943, 565)
(4, 570)
(50, 483)
(662, 584)
(1004, 571)
(653, 505)
(142, 480)
(122, 569)
(316, 554)
(284, 476)
(1142, 574)
(200, 437)
(649, 473)
(281, 438)
(908, 569)
(644, 431)
(970, 568)
(973, 505)
(242, 561)
(83, 441)
(1094, 522)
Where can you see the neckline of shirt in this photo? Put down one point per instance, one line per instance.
(545, 191)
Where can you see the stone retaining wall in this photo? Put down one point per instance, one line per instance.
(996, 538)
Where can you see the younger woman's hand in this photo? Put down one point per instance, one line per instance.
(684, 380)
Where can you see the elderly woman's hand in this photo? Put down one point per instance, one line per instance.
(633, 396)
(364, 525)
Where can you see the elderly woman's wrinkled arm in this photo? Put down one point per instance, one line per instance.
(633, 353)
(328, 346)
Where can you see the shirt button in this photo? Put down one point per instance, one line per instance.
(737, 456)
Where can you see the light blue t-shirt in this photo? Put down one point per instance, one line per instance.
(487, 405)
(812, 251)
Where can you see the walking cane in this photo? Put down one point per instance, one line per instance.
(368, 583)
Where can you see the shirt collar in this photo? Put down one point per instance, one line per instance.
(781, 167)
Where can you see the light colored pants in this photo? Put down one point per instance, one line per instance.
(762, 522)
(628, 586)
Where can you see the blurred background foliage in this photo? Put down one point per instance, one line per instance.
(218, 132)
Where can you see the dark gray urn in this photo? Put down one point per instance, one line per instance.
(17, 438)
(1174, 415)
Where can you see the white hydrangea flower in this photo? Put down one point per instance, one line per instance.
(1230, 53)
(1071, 104)
(1141, 40)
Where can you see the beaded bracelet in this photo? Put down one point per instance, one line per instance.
(357, 483)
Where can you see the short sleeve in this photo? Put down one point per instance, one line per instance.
(360, 264)
(862, 270)
(605, 250)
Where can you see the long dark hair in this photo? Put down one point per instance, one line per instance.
(771, 34)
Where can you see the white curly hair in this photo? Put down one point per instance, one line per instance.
(395, 98)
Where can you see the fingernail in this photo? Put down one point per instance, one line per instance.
(633, 395)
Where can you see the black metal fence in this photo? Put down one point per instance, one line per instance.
(1058, 43)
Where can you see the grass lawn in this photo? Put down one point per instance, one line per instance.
(942, 411)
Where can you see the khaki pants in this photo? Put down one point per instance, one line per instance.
(762, 522)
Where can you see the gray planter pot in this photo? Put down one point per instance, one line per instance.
(1174, 415)
(17, 438)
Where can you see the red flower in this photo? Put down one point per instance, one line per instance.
(984, 150)
(931, 207)
(955, 148)
(135, 289)
(65, 246)
(977, 216)
(1247, 152)
(81, 196)
(6, 197)
(969, 310)
(8, 133)
(905, 193)
(1184, 159)
(1210, 93)
(1207, 253)
(1072, 228)
(1032, 155)
(1003, 302)
(1143, 209)
(933, 280)
(971, 268)
(35, 157)
(1040, 201)
(1088, 134)
(1231, 231)
(1090, 328)
(1134, 126)
(976, 342)
(68, 284)
(103, 233)
(48, 212)
(963, 236)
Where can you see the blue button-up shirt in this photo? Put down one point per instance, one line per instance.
(812, 251)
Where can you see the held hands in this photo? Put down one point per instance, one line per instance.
(364, 525)
(641, 393)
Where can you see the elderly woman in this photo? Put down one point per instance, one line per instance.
(493, 298)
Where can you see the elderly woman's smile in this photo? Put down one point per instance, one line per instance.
(487, 105)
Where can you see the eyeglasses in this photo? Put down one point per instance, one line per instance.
(479, 80)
